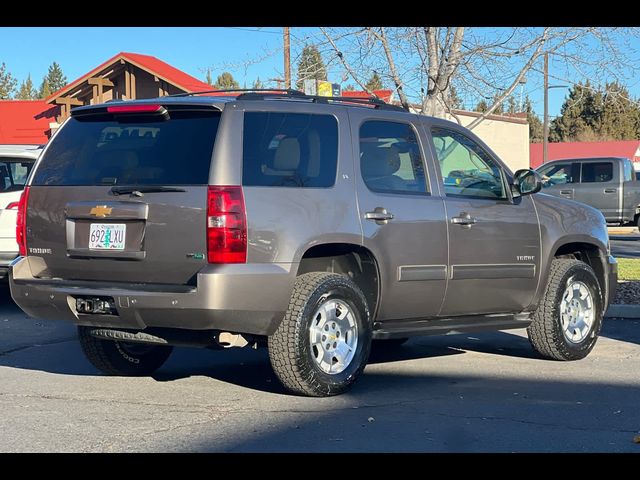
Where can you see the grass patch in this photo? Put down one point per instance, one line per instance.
(628, 268)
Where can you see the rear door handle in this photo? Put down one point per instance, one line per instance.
(380, 215)
(610, 190)
(566, 192)
(464, 219)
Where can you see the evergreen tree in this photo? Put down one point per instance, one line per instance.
(349, 88)
(374, 83)
(53, 81)
(454, 100)
(26, 90)
(536, 128)
(7, 83)
(226, 81)
(596, 114)
(512, 107)
(208, 79)
(481, 106)
(257, 84)
(310, 66)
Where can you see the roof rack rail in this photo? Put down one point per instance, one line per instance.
(266, 91)
(288, 93)
(374, 102)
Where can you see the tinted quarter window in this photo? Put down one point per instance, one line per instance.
(13, 174)
(390, 159)
(101, 150)
(556, 174)
(628, 171)
(289, 150)
(593, 172)
(467, 170)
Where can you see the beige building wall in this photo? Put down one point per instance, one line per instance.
(507, 136)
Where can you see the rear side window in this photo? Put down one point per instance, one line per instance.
(597, 172)
(100, 150)
(628, 171)
(390, 159)
(289, 150)
(13, 174)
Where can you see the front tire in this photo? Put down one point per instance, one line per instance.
(121, 358)
(568, 319)
(322, 345)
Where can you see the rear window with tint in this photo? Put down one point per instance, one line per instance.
(597, 172)
(289, 150)
(99, 150)
(13, 174)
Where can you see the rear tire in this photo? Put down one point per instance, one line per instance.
(568, 319)
(322, 345)
(122, 358)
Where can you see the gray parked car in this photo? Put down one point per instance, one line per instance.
(313, 225)
(608, 184)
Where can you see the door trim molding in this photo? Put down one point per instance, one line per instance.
(493, 271)
(415, 273)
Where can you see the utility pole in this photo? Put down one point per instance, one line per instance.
(545, 132)
(287, 58)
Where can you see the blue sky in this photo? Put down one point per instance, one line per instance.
(27, 50)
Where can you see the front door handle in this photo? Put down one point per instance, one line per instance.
(610, 190)
(464, 219)
(380, 215)
(566, 192)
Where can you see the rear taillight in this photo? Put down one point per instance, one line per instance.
(21, 222)
(226, 225)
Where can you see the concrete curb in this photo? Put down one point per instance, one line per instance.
(623, 311)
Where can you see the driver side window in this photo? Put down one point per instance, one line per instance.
(467, 171)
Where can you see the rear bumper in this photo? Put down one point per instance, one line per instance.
(612, 280)
(242, 298)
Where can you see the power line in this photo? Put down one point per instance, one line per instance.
(255, 30)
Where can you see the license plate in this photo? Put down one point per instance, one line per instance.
(107, 236)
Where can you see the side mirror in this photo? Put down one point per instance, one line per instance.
(527, 181)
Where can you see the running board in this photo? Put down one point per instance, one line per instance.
(448, 326)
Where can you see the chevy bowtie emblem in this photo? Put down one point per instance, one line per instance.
(101, 211)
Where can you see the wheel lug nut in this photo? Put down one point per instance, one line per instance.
(328, 346)
(324, 337)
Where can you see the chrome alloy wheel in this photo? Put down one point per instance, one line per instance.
(334, 336)
(577, 312)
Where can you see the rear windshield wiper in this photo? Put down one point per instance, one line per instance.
(138, 191)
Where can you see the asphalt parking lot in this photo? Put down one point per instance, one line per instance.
(464, 393)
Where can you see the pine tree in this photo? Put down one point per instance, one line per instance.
(595, 114)
(536, 128)
(7, 82)
(374, 83)
(310, 66)
(257, 84)
(53, 81)
(26, 90)
(349, 88)
(511, 105)
(209, 80)
(481, 106)
(454, 99)
(225, 81)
